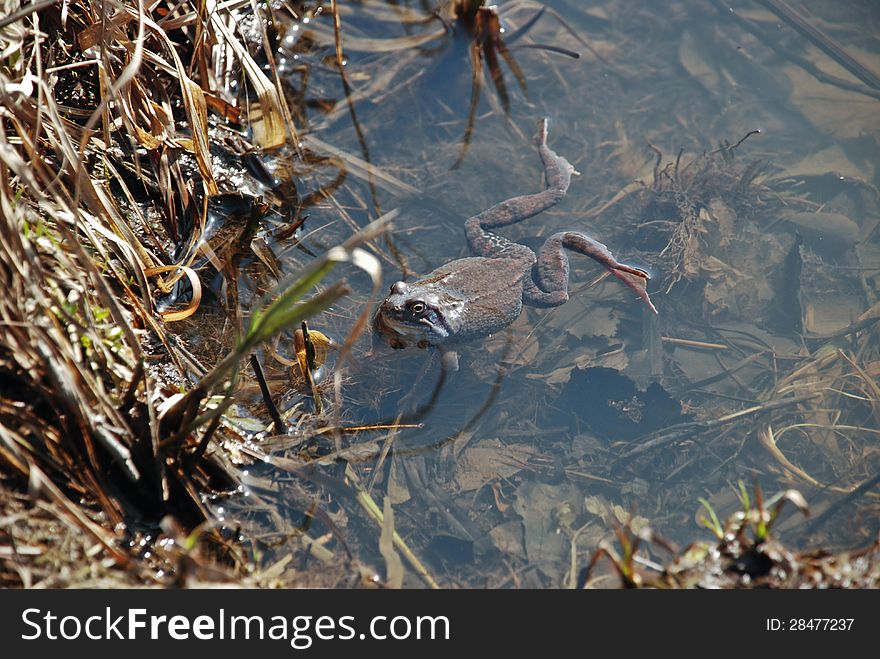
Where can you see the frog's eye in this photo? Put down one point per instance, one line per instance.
(417, 307)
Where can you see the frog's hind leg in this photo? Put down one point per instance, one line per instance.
(549, 284)
(478, 228)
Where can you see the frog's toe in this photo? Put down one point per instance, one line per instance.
(543, 127)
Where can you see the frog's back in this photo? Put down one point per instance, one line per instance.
(487, 292)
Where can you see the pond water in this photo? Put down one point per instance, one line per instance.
(764, 254)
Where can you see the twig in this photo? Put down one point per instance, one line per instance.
(861, 490)
(826, 45)
(277, 421)
(685, 430)
(694, 344)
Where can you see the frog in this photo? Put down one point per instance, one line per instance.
(477, 296)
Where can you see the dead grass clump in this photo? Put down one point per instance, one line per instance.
(99, 103)
(675, 204)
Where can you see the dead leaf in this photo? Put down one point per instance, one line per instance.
(825, 314)
(582, 318)
(624, 517)
(398, 490)
(557, 376)
(839, 113)
(537, 504)
(694, 60)
(461, 441)
(722, 219)
(271, 129)
(827, 161)
(616, 359)
(393, 565)
(524, 351)
(490, 461)
(826, 231)
(508, 538)
(598, 507)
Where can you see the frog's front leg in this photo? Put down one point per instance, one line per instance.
(548, 286)
(483, 242)
(440, 360)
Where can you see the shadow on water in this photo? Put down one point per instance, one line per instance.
(762, 364)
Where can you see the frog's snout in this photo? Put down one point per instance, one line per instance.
(396, 297)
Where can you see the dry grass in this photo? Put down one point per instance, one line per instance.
(100, 104)
(112, 116)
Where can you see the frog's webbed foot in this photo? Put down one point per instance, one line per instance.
(556, 168)
(551, 270)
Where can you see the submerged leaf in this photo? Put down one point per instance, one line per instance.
(393, 565)
(491, 460)
(826, 232)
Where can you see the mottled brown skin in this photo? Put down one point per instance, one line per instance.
(474, 297)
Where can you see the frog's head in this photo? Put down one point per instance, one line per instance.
(419, 315)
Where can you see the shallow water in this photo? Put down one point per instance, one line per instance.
(546, 428)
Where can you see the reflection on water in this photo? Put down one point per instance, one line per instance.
(762, 364)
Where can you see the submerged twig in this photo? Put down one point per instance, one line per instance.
(821, 41)
(684, 430)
